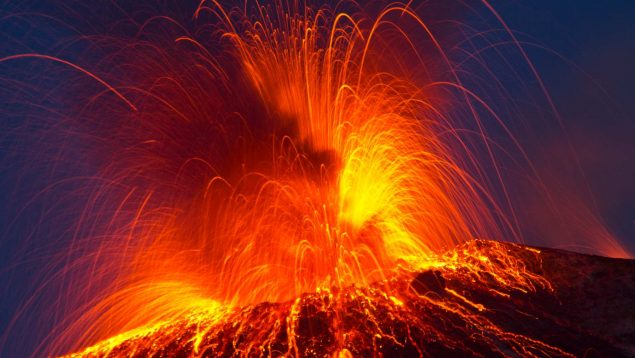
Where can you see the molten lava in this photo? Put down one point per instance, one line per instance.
(483, 299)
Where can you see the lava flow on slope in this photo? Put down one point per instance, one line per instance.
(481, 299)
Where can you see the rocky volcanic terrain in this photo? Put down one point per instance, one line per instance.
(483, 299)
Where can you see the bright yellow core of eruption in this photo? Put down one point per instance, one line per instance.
(360, 185)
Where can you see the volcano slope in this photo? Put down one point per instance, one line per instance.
(483, 298)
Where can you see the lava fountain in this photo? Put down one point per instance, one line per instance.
(300, 157)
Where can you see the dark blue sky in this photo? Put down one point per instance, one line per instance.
(586, 64)
(595, 94)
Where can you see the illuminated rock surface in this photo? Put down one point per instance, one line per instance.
(485, 299)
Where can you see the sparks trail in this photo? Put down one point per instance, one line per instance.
(72, 65)
(293, 162)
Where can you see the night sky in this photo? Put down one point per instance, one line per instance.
(594, 92)
(583, 50)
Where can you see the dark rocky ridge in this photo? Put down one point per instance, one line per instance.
(584, 307)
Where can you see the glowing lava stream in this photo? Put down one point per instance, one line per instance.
(323, 323)
(358, 176)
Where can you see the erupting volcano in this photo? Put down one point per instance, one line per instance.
(283, 178)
